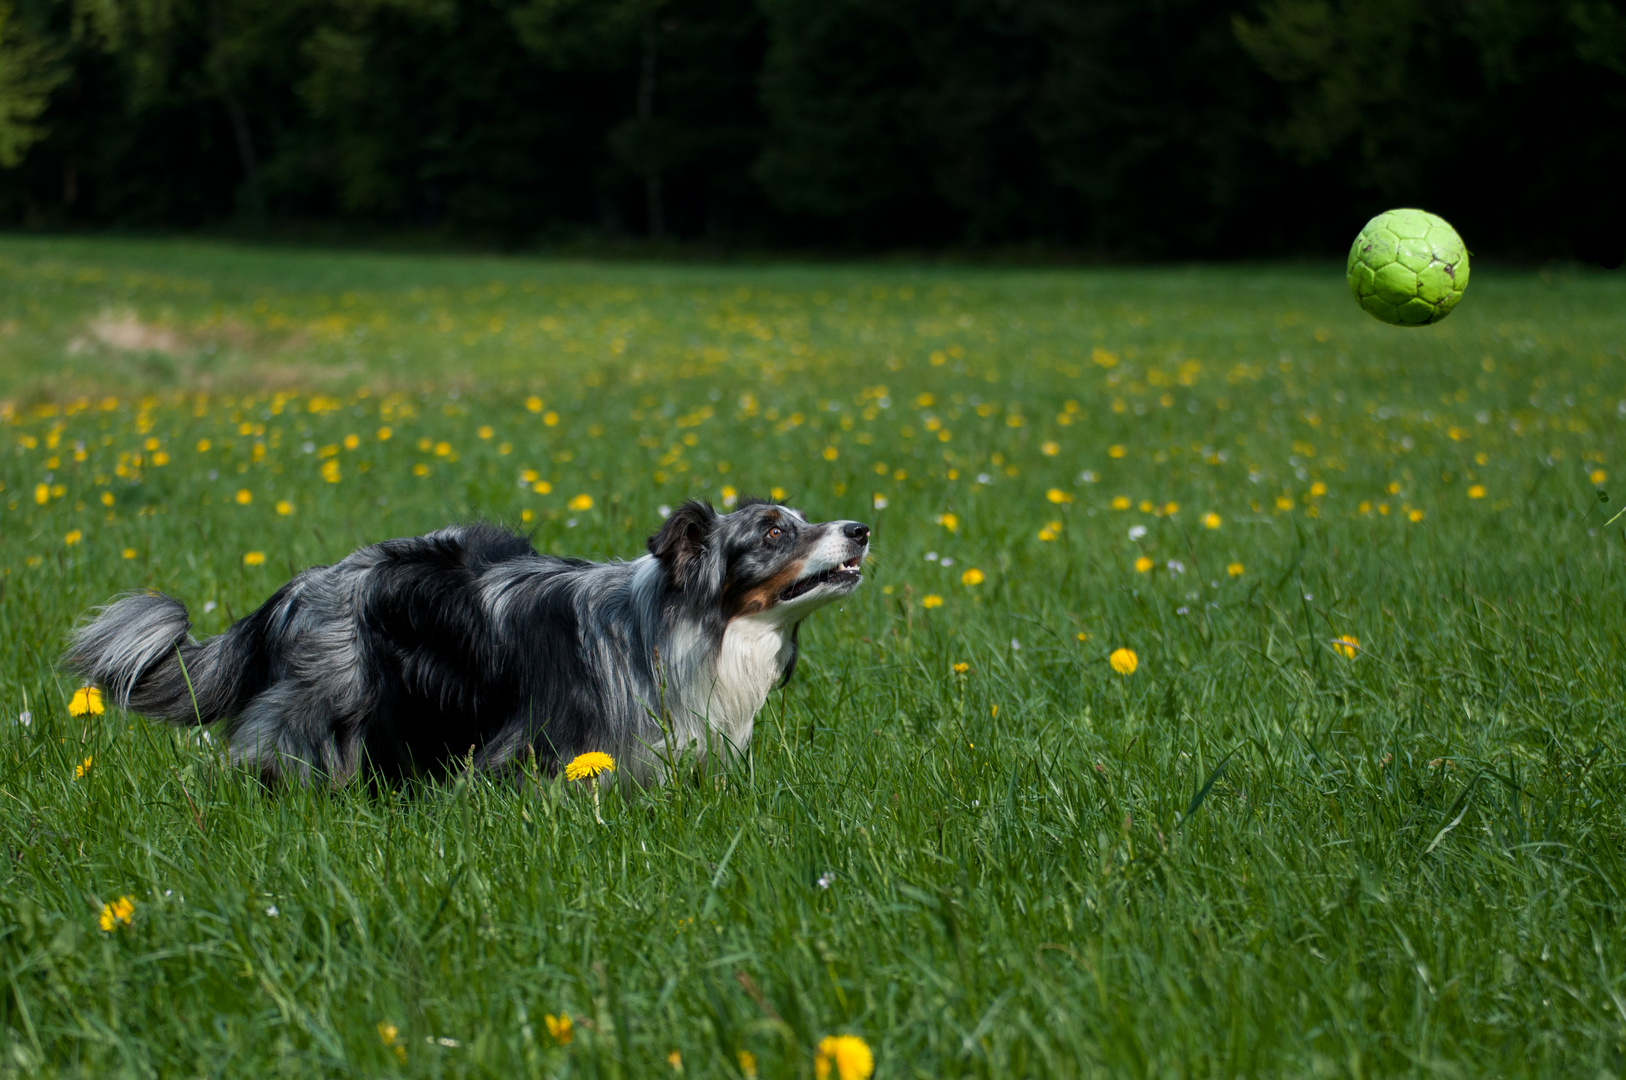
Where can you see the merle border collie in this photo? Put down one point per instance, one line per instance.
(411, 655)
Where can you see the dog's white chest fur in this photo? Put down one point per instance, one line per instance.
(754, 652)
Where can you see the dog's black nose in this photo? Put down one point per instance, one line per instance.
(856, 531)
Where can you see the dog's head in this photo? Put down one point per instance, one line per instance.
(762, 557)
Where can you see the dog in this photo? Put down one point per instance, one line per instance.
(412, 657)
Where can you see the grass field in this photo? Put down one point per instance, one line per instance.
(1356, 812)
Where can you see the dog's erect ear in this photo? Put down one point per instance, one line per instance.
(681, 544)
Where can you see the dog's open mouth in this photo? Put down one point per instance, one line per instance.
(847, 575)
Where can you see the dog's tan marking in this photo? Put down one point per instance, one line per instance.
(761, 597)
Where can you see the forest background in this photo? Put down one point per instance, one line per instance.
(1117, 128)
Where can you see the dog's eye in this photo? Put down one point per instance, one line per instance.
(775, 533)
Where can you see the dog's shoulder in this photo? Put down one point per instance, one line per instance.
(431, 579)
(424, 592)
(469, 549)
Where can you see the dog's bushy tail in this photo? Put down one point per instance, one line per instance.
(135, 648)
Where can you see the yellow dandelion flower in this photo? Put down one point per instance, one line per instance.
(284, 507)
(486, 431)
(1050, 449)
(1120, 502)
(161, 458)
(1171, 508)
(1346, 646)
(848, 1055)
(541, 487)
(831, 453)
(420, 469)
(129, 553)
(561, 1027)
(1599, 476)
(82, 768)
(1318, 488)
(385, 432)
(931, 600)
(961, 668)
(443, 449)
(203, 446)
(1212, 520)
(777, 493)
(1057, 495)
(1235, 569)
(1082, 636)
(1124, 661)
(951, 522)
(115, 913)
(330, 471)
(1415, 515)
(107, 498)
(972, 576)
(1048, 533)
(390, 1036)
(1284, 502)
(1116, 450)
(253, 558)
(527, 515)
(1144, 564)
(86, 701)
(244, 496)
(748, 1063)
(73, 537)
(589, 764)
(533, 403)
(351, 441)
(42, 494)
(1477, 491)
(550, 418)
(581, 502)
(675, 1059)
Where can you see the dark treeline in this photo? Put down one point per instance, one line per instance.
(1162, 128)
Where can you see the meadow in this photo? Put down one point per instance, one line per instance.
(1235, 691)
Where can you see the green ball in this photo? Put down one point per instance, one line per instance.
(1408, 268)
